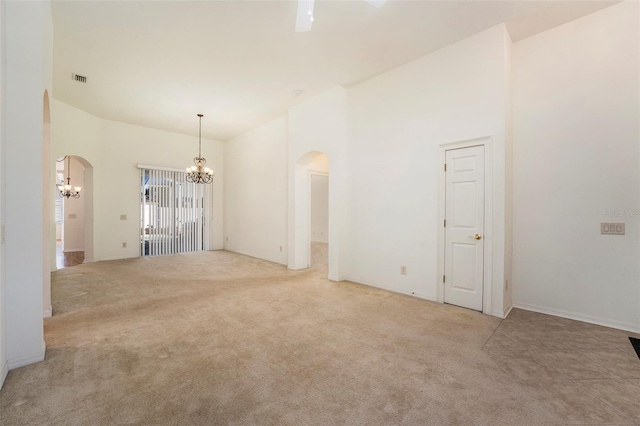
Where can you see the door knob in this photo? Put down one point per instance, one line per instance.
(478, 236)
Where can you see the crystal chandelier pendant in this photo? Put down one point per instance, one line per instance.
(199, 173)
(67, 191)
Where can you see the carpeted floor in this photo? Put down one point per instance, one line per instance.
(219, 338)
(319, 255)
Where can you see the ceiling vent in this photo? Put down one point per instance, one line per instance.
(79, 78)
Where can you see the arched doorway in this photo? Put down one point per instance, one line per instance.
(74, 214)
(312, 237)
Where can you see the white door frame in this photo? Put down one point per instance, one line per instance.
(312, 173)
(487, 142)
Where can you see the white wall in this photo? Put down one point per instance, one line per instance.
(319, 198)
(74, 215)
(576, 127)
(26, 37)
(255, 204)
(48, 169)
(114, 150)
(382, 140)
(4, 365)
(259, 179)
(507, 302)
(398, 121)
(319, 124)
(319, 208)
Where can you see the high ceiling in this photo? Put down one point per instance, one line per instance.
(159, 63)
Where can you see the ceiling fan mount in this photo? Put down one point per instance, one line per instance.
(304, 17)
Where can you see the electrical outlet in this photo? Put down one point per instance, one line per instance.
(280, 249)
(227, 239)
(506, 284)
(403, 270)
(124, 245)
(72, 216)
(612, 228)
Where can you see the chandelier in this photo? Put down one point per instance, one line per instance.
(199, 173)
(65, 191)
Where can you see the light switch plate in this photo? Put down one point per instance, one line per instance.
(123, 217)
(612, 228)
(72, 216)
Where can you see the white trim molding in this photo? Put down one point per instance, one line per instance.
(391, 289)
(28, 359)
(48, 313)
(605, 322)
(110, 258)
(502, 315)
(266, 259)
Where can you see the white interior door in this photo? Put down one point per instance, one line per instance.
(464, 227)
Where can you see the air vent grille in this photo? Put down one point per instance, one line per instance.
(79, 78)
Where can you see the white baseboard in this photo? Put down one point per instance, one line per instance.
(606, 322)
(293, 268)
(414, 294)
(375, 284)
(104, 259)
(72, 250)
(268, 259)
(3, 373)
(502, 314)
(31, 358)
(48, 312)
(387, 288)
(506, 314)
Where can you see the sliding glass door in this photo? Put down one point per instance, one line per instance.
(173, 213)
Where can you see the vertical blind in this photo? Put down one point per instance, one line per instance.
(173, 213)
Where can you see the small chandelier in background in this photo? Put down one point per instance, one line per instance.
(65, 191)
(199, 173)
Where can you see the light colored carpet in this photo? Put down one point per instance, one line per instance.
(219, 338)
(319, 255)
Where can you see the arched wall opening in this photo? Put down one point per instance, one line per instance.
(74, 216)
(314, 163)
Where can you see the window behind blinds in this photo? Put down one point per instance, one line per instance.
(173, 213)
